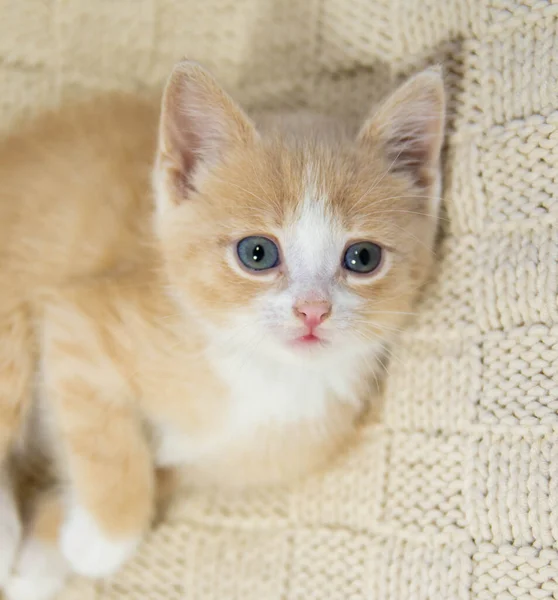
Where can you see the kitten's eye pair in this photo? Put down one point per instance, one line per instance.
(259, 253)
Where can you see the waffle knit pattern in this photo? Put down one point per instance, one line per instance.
(455, 494)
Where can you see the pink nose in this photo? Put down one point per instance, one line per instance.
(312, 313)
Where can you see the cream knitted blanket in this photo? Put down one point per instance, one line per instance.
(455, 494)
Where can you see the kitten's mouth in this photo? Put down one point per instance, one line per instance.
(310, 339)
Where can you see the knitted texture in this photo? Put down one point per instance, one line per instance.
(454, 495)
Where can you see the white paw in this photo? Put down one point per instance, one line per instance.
(88, 550)
(10, 531)
(39, 574)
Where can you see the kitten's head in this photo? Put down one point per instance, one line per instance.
(297, 242)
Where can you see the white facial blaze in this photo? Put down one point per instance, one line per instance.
(312, 245)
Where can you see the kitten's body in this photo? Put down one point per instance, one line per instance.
(96, 253)
(151, 346)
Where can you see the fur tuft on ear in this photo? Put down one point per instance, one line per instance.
(410, 127)
(199, 124)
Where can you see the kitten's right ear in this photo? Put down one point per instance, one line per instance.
(199, 124)
(409, 126)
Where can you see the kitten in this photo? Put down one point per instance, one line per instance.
(229, 331)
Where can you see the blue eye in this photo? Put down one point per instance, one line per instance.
(362, 257)
(258, 253)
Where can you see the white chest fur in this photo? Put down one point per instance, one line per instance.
(262, 394)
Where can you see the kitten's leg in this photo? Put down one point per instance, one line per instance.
(110, 500)
(40, 570)
(16, 368)
(10, 527)
(103, 449)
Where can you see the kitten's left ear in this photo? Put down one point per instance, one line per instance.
(200, 124)
(409, 125)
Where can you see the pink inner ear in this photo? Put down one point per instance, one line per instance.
(181, 146)
(412, 154)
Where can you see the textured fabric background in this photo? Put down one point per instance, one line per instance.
(455, 494)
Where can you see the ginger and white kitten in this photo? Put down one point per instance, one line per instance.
(226, 323)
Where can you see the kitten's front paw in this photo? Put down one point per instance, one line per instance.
(88, 550)
(10, 533)
(39, 574)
